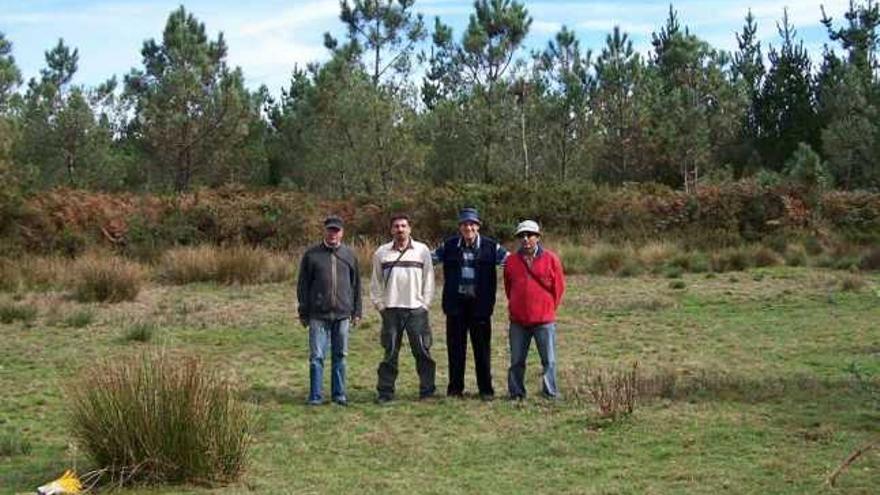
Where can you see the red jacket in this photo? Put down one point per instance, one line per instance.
(532, 302)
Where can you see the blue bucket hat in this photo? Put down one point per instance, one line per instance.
(469, 215)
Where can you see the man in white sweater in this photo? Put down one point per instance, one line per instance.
(401, 287)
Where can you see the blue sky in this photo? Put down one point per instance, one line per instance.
(266, 38)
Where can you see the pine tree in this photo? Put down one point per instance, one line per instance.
(191, 108)
(786, 113)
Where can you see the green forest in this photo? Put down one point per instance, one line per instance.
(406, 100)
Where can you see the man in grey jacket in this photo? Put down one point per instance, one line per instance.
(329, 296)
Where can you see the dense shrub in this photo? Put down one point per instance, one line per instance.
(160, 418)
(715, 216)
(105, 279)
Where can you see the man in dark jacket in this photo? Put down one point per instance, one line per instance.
(469, 262)
(329, 296)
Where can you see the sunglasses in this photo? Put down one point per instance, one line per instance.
(523, 235)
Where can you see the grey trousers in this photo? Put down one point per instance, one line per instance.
(414, 322)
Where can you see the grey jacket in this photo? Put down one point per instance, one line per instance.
(329, 285)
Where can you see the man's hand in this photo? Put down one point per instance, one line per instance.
(355, 320)
(304, 321)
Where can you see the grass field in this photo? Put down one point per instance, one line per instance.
(779, 373)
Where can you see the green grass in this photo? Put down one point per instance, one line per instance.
(777, 380)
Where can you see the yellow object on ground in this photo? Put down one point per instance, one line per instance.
(67, 484)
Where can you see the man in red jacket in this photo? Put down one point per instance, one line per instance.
(534, 282)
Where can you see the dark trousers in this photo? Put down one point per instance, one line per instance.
(413, 322)
(458, 327)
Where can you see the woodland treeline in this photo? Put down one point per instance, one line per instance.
(404, 100)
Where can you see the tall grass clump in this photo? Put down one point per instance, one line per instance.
(764, 256)
(80, 318)
(732, 259)
(655, 254)
(10, 313)
(795, 255)
(236, 265)
(606, 259)
(9, 276)
(106, 279)
(140, 332)
(186, 265)
(364, 249)
(575, 258)
(13, 443)
(160, 418)
(244, 265)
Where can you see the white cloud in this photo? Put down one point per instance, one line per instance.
(302, 16)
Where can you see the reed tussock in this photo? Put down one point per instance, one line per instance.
(236, 265)
(161, 418)
(106, 278)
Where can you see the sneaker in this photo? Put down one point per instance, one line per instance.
(315, 402)
(341, 402)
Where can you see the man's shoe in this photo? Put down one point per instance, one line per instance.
(487, 397)
(315, 402)
(383, 400)
(340, 402)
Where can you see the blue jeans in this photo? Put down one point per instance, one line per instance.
(520, 339)
(324, 336)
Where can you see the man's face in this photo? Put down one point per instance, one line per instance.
(400, 230)
(529, 241)
(333, 236)
(468, 231)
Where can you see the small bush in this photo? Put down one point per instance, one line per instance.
(13, 443)
(677, 285)
(607, 260)
(764, 256)
(630, 268)
(614, 391)
(10, 313)
(852, 282)
(79, 319)
(140, 332)
(731, 259)
(160, 418)
(842, 262)
(106, 279)
(673, 272)
(871, 260)
(813, 246)
(795, 255)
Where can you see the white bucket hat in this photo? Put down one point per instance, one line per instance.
(528, 226)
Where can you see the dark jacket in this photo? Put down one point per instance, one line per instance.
(485, 280)
(329, 285)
